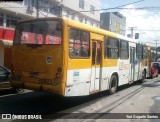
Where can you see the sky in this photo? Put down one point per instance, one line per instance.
(145, 21)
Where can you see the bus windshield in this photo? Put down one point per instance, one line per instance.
(38, 32)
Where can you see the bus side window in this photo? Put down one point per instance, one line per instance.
(79, 44)
(83, 52)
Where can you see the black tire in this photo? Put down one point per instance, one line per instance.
(113, 84)
(143, 76)
(151, 77)
(18, 90)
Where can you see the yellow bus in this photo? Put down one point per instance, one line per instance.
(68, 58)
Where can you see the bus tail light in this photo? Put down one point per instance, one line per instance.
(58, 75)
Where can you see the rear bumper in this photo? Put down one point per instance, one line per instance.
(58, 89)
(5, 86)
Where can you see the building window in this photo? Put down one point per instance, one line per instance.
(91, 23)
(111, 48)
(80, 19)
(124, 49)
(97, 25)
(34, 3)
(92, 9)
(1, 19)
(28, 2)
(55, 10)
(25, 2)
(67, 14)
(115, 23)
(46, 6)
(79, 44)
(52, 9)
(85, 21)
(81, 4)
(43, 6)
(11, 21)
(110, 21)
(73, 16)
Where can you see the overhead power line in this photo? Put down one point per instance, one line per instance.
(125, 4)
(157, 8)
(147, 30)
(116, 6)
(140, 8)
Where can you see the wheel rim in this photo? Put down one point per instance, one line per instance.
(19, 90)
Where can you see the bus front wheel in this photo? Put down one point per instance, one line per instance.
(113, 84)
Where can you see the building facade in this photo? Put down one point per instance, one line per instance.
(79, 10)
(114, 22)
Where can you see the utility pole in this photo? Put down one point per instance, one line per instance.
(156, 46)
(37, 6)
(132, 29)
(60, 6)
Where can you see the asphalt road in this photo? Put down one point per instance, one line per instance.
(138, 98)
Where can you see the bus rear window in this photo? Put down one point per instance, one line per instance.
(38, 32)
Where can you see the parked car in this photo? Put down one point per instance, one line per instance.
(4, 80)
(157, 65)
(154, 69)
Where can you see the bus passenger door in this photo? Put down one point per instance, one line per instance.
(96, 66)
(132, 64)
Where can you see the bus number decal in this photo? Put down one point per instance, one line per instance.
(46, 81)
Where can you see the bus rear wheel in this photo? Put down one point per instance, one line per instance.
(113, 84)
